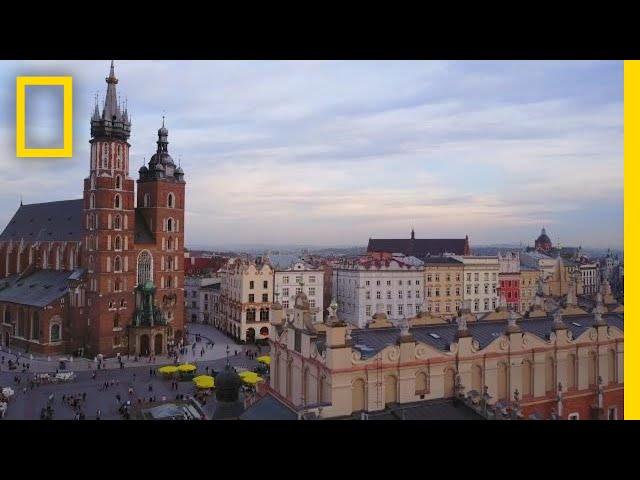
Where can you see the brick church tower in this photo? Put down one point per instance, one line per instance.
(160, 246)
(108, 228)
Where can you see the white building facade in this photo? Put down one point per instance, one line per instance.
(480, 282)
(590, 278)
(397, 282)
(199, 298)
(300, 277)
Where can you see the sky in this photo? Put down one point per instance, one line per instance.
(331, 153)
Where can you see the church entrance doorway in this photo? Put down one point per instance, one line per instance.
(158, 344)
(144, 344)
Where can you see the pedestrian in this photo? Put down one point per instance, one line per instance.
(151, 372)
(150, 388)
(118, 397)
(98, 413)
(24, 390)
(84, 396)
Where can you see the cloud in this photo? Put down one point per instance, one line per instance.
(334, 152)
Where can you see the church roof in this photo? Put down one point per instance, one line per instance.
(38, 289)
(419, 247)
(50, 221)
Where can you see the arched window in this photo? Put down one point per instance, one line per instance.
(264, 314)
(116, 320)
(117, 264)
(117, 225)
(92, 201)
(145, 267)
(105, 155)
(611, 366)
(421, 383)
(571, 371)
(117, 203)
(146, 200)
(251, 315)
(118, 182)
(168, 282)
(170, 224)
(55, 335)
(171, 200)
(117, 285)
(117, 244)
(170, 244)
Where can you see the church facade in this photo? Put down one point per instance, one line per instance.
(103, 274)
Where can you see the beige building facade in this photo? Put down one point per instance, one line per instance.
(443, 286)
(562, 367)
(246, 297)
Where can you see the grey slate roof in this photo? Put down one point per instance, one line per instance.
(437, 409)
(269, 408)
(371, 341)
(38, 289)
(440, 260)
(418, 247)
(51, 221)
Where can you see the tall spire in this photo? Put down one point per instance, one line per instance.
(114, 122)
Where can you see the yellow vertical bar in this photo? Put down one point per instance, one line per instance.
(631, 231)
(68, 116)
(20, 117)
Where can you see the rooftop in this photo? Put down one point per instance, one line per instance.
(371, 341)
(50, 221)
(38, 289)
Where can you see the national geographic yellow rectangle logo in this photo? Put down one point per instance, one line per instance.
(67, 133)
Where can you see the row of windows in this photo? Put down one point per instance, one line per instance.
(298, 279)
(400, 309)
(476, 276)
(285, 291)
(400, 294)
(476, 289)
(171, 200)
(312, 303)
(430, 277)
(265, 298)
(265, 284)
(509, 283)
(368, 282)
(436, 291)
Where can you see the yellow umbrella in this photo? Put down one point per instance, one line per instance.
(186, 368)
(266, 359)
(247, 373)
(168, 369)
(204, 381)
(252, 380)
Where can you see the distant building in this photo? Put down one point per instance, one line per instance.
(444, 286)
(202, 299)
(529, 277)
(300, 277)
(509, 278)
(480, 282)
(543, 242)
(395, 281)
(413, 246)
(246, 299)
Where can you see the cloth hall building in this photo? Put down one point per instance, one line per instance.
(102, 274)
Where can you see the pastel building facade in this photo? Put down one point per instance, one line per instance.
(395, 281)
(480, 282)
(300, 277)
(554, 367)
